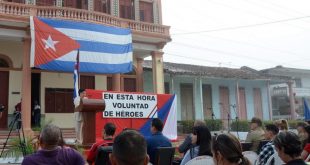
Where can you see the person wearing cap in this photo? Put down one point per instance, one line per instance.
(256, 134)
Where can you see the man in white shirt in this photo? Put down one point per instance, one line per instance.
(78, 116)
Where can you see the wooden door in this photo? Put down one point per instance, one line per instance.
(242, 104)
(146, 11)
(4, 92)
(258, 110)
(126, 8)
(207, 101)
(130, 85)
(224, 105)
(187, 102)
(87, 82)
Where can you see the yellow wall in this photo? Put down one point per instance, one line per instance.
(15, 84)
(63, 80)
(14, 50)
(56, 80)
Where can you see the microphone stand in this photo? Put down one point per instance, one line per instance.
(228, 118)
(237, 120)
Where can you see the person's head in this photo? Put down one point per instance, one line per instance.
(157, 125)
(108, 130)
(199, 123)
(202, 138)
(301, 127)
(288, 146)
(255, 123)
(307, 130)
(82, 93)
(282, 124)
(271, 131)
(50, 136)
(36, 102)
(226, 149)
(129, 148)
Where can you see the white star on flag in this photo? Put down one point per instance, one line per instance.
(49, 43)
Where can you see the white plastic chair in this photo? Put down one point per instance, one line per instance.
(201, 160)
(251, 155)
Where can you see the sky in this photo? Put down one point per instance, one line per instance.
(233, 33)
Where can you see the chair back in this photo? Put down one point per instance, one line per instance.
(164, 155)
(261, 144)
(201, 160)
(246, 146)
(102, 157)
(251, 155)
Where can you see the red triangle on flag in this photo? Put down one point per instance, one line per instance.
(50, 43)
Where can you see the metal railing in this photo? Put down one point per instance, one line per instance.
(24, 10)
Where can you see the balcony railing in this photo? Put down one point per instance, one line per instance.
(17, 9)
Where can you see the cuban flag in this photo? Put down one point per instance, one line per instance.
(102, 49)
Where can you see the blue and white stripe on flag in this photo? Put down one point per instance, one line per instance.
(76, 76)
(103, 49)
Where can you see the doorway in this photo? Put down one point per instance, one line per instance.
(4, 88)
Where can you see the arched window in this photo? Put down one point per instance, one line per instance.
(3, 63)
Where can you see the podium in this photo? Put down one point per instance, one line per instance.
(89, 108)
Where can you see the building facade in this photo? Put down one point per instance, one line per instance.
(288, 97)
(223, 92)
(53, 90)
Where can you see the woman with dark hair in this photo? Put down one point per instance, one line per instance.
(227, 150)
(306, 151)
(201, 141)
(288, 146)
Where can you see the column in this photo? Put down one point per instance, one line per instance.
(59, 3)
(91, 5)
(292, 100)
(30, 2)
(116, 82)
(26, 88)
(139, 73)
(157, 12)
(237, 100)
(269, 100)
(158, 72)
(137, 10)
(115, 8)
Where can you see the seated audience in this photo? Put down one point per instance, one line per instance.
(288, 146)
(302, 133)
(129, 148)
(227, 150)
(51, 153)
(107, 135)
(306, 151)
(282, 124)
(187, 143)
(157, 139)
(268, 149)
(201, 141)
(256, 134)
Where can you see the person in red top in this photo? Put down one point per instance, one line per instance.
(306, 151)
(107, 133)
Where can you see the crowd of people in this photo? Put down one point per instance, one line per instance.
(132, 148)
